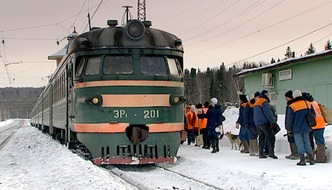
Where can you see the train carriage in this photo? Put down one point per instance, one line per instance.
(122, 93)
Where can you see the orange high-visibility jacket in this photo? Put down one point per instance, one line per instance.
(202, 122)
(191, 118)
(319, 116)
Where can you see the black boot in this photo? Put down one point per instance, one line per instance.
(213, 144)
(261, 152)
(311, 159)
(302, 160)
(217, 145)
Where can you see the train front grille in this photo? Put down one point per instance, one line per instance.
(138, 150)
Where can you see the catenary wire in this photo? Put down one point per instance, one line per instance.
(258, 31)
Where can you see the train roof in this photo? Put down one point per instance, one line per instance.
(134, 34)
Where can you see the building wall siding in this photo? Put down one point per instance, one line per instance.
(312, 76)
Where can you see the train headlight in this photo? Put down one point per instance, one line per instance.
(95, 100)
(135, 29)
(177, 99)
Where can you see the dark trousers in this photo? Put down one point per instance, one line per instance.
(206, 140)
(290, 138)
(252, 132)
(190, 136)
(266, 135)
(311, 139)
(214, 142)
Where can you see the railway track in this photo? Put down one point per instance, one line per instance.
(8, 132)
(159, 178)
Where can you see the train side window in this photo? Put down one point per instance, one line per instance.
(80, 67)
(174, 66)
(153, 65)
(118, 65)
(92, 66)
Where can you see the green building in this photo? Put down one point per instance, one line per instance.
(310, 73)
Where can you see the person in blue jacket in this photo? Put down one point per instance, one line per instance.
(290, 137)
(252, 129)
(297, 124)
(265, 121)
(214, 121)
(243, 120)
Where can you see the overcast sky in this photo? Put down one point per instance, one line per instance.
(212, 31)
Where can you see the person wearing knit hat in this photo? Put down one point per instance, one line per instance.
(243, 121)
(293, 155)
(307, 96)
(289, 94)
(297, 124)
(318, 130)
(264, 92)
(243, 98)
(214, 100)
(297, 94)
(257, 94)
(214, 120)
(265, 121)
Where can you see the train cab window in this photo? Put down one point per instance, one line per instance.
(174, 66)
(153, 65)
(118, 65)
(92, 66)
(80, 67)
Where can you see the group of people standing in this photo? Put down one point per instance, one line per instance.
(206, 120)
(258, 119)
(302, 137)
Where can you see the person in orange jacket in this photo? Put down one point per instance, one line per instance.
(318, 130)
(202, 123)
(296, 123)
(191, 118)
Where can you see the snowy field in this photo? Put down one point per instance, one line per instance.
(32, 160)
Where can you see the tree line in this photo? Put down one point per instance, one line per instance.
(223, 83)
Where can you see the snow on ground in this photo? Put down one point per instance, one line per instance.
(32, 160)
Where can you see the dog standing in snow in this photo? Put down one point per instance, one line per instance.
(234, 139)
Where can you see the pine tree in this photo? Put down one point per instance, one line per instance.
(310, 50)
(289, 53)
(273, 60)
(328, 45)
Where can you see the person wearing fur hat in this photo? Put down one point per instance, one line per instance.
(214, 120)
(297, 124)
(243, 121)
(265, 120)
(318, 130)
(290, 137)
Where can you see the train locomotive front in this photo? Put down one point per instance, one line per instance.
(126, 93)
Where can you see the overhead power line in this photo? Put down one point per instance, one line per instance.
(207, 49)
(281, 45)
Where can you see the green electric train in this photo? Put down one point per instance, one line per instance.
(117, 95)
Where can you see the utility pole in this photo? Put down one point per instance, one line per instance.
(141, 10)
